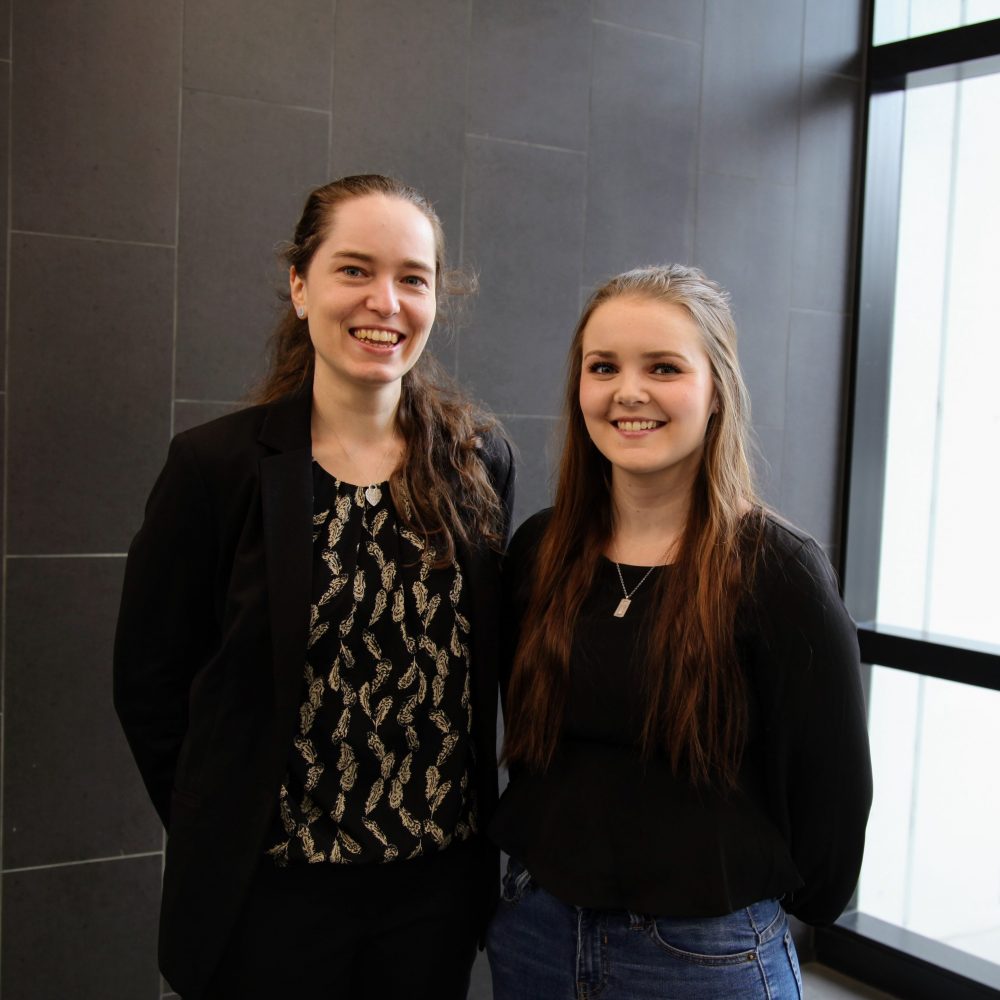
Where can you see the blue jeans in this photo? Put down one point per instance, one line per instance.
(543, 949)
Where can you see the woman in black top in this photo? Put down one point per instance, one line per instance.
(305, 662)
(685, 727)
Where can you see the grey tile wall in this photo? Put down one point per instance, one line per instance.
(95, 118)
(816, 381)
(399, 97)
(824, 233)
(86, 931)
(64, 754)
(678, 20)
(5, 15)
(261, 50)
(744, 241)
(4, 207)
(641, 163)
(538, 440)
(833, 38)
(232, 216)
(750, 88)
(89, 398)
(524, 233)
(530, 71)
(155, 161)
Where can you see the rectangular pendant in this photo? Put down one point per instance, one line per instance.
(623, 606)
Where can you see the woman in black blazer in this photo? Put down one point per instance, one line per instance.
(305, 656)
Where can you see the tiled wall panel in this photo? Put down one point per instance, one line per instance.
(824, 233)
(641, 160)
(524, 233)
(745, 242)
(4, 207)
(95, 118)
(814, 417)
(277, 52)
(399, 97)
(89, 390)
(82, 932)
(246, 168)
(71, 790)
(529, 71)
(751, 70)
(833, 37)
(537, 441)
(678, 20)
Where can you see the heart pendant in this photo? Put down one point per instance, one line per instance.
(373, 494)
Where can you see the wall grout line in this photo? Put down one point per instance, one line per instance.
(644, 31)
(82, 861)
(4, 526)
(256, 100)
(695, 194)
(11, 556)
(92, 239)
(177, 219)
(213, 402)
(522, 142)
(463, 186)
(331, 88)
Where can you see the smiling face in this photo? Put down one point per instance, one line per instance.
(646, 389)
(368, 293)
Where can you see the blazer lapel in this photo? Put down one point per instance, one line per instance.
(286, 495)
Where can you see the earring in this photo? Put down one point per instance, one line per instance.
(300, 311)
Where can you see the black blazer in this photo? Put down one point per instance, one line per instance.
(209, 651)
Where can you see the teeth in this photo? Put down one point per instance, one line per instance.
(377, 336)
(637, 425)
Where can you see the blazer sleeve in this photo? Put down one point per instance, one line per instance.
(499, 459)
(166, 623)
(817, 730)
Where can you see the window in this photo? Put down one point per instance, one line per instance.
(921, 563)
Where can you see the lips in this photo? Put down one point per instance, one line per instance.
(631, 426)
(371, 335)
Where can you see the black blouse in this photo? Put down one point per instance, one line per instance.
(381, 766)
(604, 828)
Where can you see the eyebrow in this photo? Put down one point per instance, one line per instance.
(410, 263)
(646, 355)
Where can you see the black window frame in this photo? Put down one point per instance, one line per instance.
(871, 950)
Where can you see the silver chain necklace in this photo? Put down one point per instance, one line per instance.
(372, 492)
(626, 602)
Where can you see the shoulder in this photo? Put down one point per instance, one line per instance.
(495, 453)
(221, 454)
(524, 544)
(790, 557)
(221, 435)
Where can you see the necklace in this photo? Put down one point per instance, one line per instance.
(372, 492)
(626, 602)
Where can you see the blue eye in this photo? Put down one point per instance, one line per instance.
(415, 280)
(352, 271)
(601, 368)
(665, 368)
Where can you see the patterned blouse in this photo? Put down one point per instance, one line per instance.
(381, 766)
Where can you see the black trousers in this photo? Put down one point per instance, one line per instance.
(368, 932)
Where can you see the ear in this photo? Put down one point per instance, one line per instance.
(297, 288)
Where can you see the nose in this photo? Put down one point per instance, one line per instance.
(382, 298)
(631, 391)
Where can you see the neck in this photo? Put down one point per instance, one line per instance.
(364, 416)
(354, 432)
(649, 518)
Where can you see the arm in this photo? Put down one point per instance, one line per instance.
(166, 627)
(817, 730)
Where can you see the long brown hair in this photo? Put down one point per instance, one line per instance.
(442, 429)
(696, 695)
